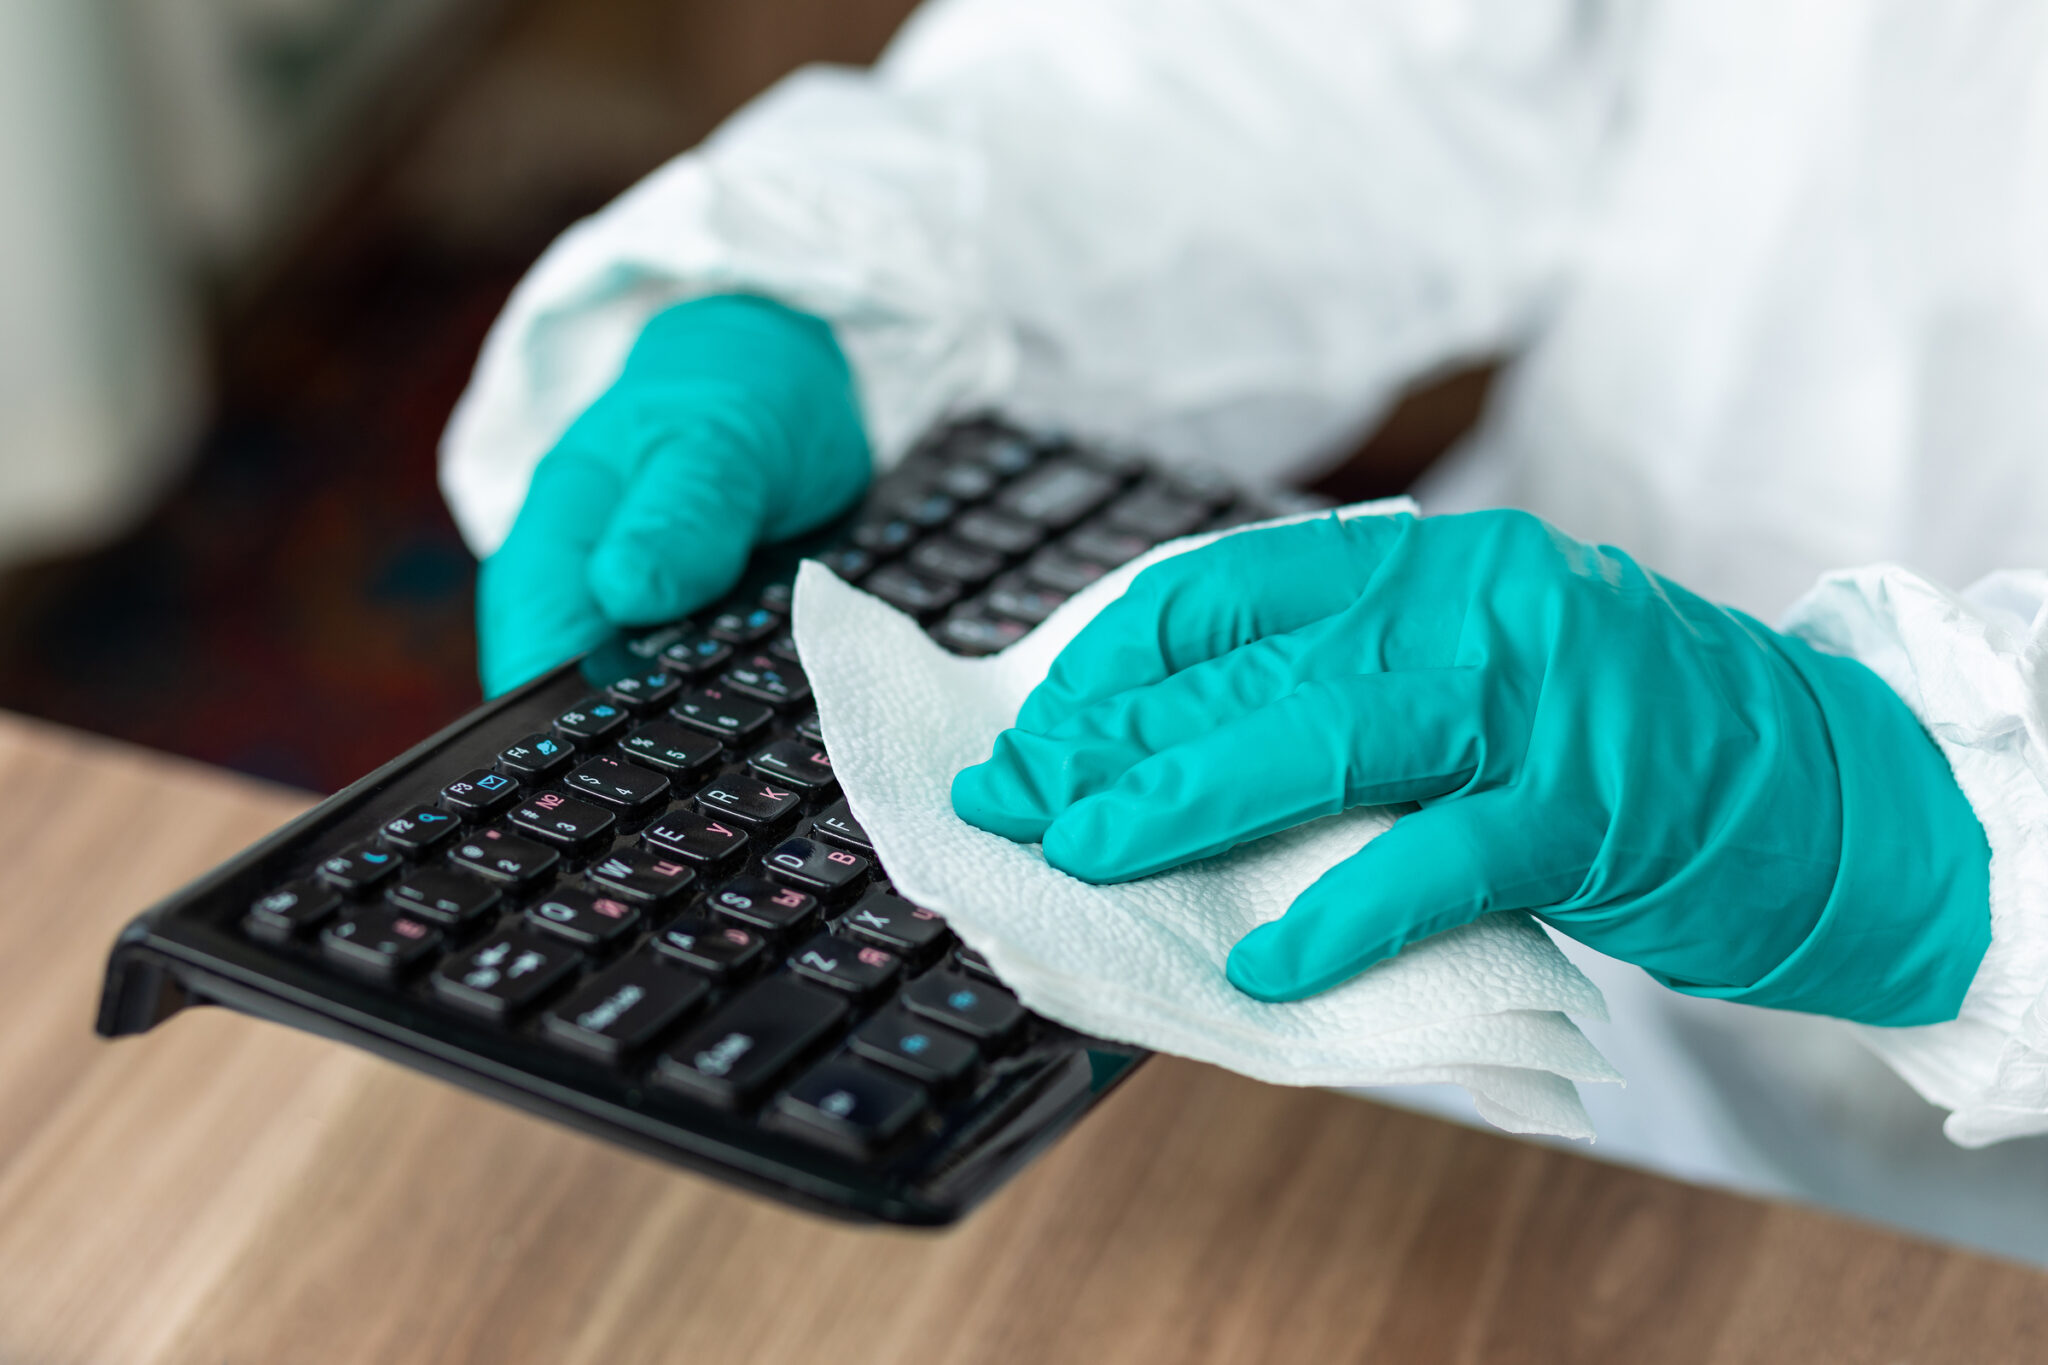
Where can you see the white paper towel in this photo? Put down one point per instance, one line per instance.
(1142, 962)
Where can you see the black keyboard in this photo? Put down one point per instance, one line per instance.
(629, 897)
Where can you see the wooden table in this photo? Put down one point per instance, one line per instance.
(227, 1191)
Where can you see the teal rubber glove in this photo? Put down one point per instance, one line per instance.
(1663, 779)
(733, 422)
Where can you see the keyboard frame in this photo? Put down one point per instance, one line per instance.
(190, 949)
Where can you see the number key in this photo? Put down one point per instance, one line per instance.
(505, 857)
(563, 820)
(644, 692)
(668, 747)
(716, 711)
(767, 678)
(617, 783)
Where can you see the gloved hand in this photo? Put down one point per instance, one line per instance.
(1666, 780)
(734, 421)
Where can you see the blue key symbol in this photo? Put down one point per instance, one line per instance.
(376, 857)
(490, 782)
(962, 1000)
(915, 1043)
(604, 711)
(428, 817)
(546, 746)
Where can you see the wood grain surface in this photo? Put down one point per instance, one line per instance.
(228, 1191)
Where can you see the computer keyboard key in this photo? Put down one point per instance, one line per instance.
(643, 693)
(696, 838)
(1058, 493)
(1056, 568)
(848, 1106)
(420, 829)
(809, 728)
(885, 537)
(745, 625)
(750, 1042)
(778, 598)
(380, 941)
(444, 896)
(617, 783)
(626, 1008)
(783, 647)
(861, 971)
(835, 824)
(958, 561)
(917, 594)
(817, 867)
(1006, 454)
(361, 868)
(936, 1058)
(669, 748)
(587, 919)
(480, 792)
(696, 654)
(592, 720)
(929, 510)
(505, 857)
(778, 911)
(722, 951)
(642, 875)
(967, 631)
(506, 973)
(888, 921)
(850, 564)
(1105, 545)
(535, 756)
(291, 911)
(967, 482)
(766, 678)
(1010, 536)
(1155, 513)
(748, 798)
(564, 820)
(968, 960)
(794, 762)
(1018, 598)
(718, 712)
(975, 1008)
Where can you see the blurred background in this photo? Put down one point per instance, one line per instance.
(248, 252)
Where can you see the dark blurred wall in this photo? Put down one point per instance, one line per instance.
(299, 607)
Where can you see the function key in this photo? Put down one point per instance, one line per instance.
(909, 591)
(380, 941)
(563, 820)
(749, 799)
(1058, 493)
(884, 538)
(360, 867)
(641, 875)
(837, 825)
(968, 960)
(975, 1008)
(669, 748)
(762, 905)
(591, 720)
(480, 792)
(794, 762)
(1018, 598)
(625, 1009)
(723, 952)
(1154, 513)
(848, 1106)
(420, 829)
(583, 917)
(717, 712)
(995, 532)
(850, 564)
(889, 921)
(444, 895)
(746, 1045)
(1056, 568)
(535, 756)
(816, 867)
(644, 692)
(505, 857)
(505, 973)
(696, 838)
(861, 972)
(695, 654)
(969, 632)
(956, 560)
(934, 1057)
(1104, 545)
(745, 626)
(766, 678)
(617, 783)
(291, 911)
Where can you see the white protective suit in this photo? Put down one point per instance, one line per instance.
(1777, 278)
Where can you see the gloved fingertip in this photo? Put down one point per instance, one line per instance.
(1248, 970)
(637, 587)
(1082, 844)
(991, 796)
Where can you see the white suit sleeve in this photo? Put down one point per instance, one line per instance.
(1228, 229)
(1971, 668)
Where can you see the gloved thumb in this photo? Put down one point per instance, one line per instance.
(1438, 868)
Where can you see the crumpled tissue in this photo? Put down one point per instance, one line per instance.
(1482, 1006)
